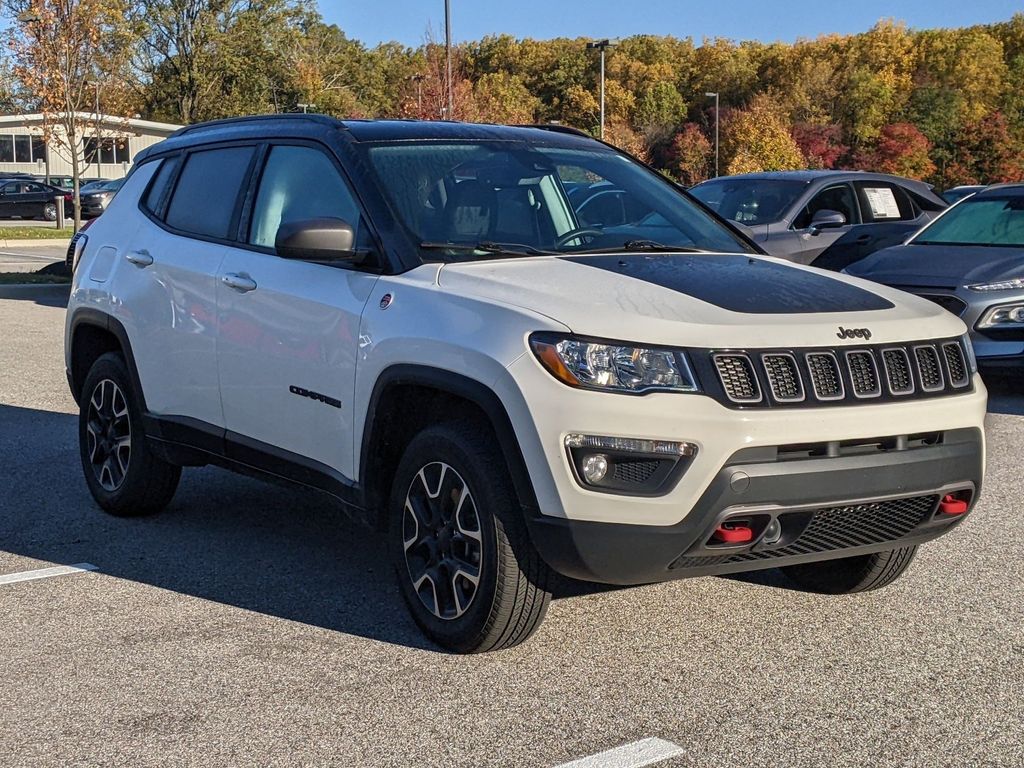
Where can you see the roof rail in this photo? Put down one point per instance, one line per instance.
(556, 128)
(312, 116)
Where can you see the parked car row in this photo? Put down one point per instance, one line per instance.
(969, 260)
(29, 197)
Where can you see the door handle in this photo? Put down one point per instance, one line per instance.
(239, 281)
(139, 258)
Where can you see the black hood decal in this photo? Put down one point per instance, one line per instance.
(740, 283)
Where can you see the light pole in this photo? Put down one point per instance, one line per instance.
(448, 57)
(709, 95)
(602, 46)
(418, 79)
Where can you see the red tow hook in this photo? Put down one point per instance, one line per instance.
(950, 505)
(733, 533)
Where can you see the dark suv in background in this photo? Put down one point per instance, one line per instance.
(826, 218)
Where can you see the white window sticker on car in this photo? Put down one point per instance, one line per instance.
(883, 202)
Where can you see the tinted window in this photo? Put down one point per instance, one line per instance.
(749, 201)
(881, 201)
(299, 183)
(158, 186)
(993, 221)
(204, 198)
(838, 198)
(472, 193)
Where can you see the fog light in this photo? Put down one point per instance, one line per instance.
(595, 467)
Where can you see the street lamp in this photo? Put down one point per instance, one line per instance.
(448, 57)
(709, 95)
(602, 46)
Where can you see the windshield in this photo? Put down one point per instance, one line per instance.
(749, 201)
(990, 220)
(465, 200)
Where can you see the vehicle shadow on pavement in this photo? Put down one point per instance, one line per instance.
(45, 295)
(281, 551)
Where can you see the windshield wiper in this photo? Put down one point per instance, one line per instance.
(490, 248)
(650, 246)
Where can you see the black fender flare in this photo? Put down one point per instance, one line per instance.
(96, 318)
(466, 388)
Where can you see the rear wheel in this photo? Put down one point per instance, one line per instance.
(852, 574)
(124, 476)
(465, 565)
(50, 211)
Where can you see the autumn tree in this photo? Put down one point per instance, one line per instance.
(821, 145)
(901, 150)
(757, 139)
(691, 153)
(72, 57)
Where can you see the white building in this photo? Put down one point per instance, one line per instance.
(109, 145)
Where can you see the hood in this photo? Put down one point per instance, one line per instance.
(940, 266)
(702, 300)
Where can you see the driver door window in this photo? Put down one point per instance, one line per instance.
(299, 183)
(839, 198)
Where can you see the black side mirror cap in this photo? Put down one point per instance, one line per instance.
(324, 239)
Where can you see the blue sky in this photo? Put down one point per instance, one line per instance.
(406, 20)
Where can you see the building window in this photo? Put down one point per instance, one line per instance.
(109, 151)
(21, 148)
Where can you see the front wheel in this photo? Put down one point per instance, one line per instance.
(465, 564)
(852, 574)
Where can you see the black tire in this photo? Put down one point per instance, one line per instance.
(124, 483)
(852, 574)
(511, 595)
(50, 211)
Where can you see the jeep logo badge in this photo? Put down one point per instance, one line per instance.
(854, 333)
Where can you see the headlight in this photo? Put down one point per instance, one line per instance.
(972, 360)
(613, 366)
(1003, 316)
(1013, 284)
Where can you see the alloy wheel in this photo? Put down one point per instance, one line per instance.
(109, 434)
(443, 542)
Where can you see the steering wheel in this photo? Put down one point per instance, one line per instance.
(573, 234)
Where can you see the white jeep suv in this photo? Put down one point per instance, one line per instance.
(517, 352)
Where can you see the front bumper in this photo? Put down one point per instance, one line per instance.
(829, 508)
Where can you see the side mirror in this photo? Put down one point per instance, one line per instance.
(826, 219)
(324, 239)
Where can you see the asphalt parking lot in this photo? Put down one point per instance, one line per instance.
(252, 624)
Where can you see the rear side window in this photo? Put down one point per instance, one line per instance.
(207, 191)
(158, 187)
(881, 201)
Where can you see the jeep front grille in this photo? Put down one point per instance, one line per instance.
(929, 369)
(955, 364)
(897, 371)
(826, 381)
(783, 377)
(863, 373)
(738, 378)
(835, 376)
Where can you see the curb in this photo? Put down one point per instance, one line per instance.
(39, 242)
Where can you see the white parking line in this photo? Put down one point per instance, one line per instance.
(633, 755)
(45, 573)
